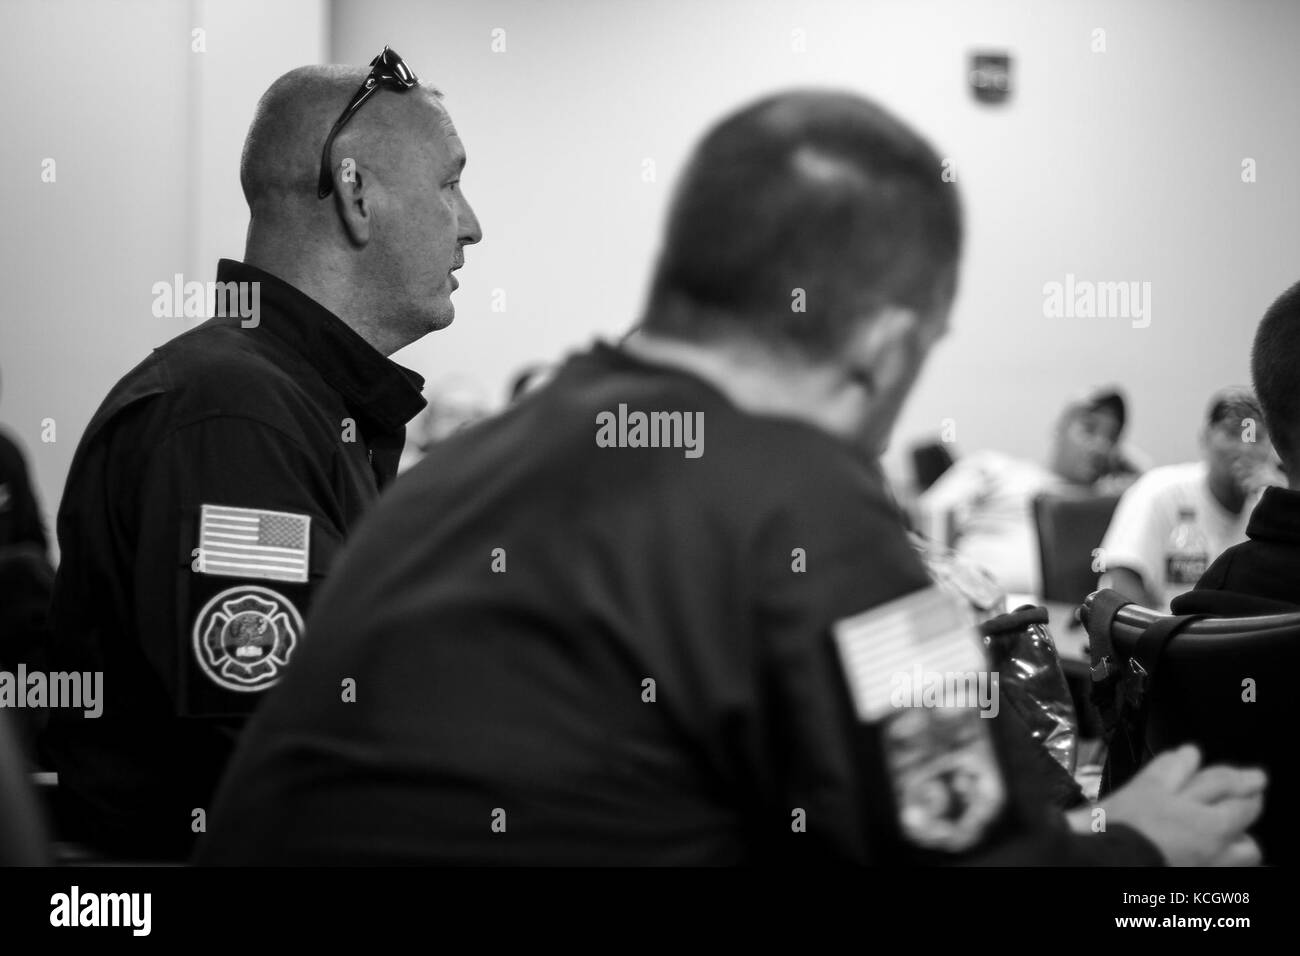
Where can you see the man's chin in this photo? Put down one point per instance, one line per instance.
(441, 317)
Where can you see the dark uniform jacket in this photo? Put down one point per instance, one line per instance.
(1262, 574)
(20, 513)
(209, 496)
(544, 649)
(26, 576)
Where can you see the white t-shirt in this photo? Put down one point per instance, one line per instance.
(989, 499)
(1147, 514)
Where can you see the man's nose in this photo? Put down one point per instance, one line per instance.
(470, 231)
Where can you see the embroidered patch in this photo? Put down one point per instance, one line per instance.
(927, 631)
(251, 543)
(244, 636)
(915, 670)
(946, 777)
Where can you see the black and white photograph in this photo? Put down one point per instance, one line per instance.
(519, 448)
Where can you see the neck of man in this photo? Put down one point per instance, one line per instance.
(1057, 467)
(1290, 472)
(324, 279)
(759, 382)
(1227, 493)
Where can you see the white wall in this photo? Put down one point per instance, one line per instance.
(1122, 165)
(146, 136)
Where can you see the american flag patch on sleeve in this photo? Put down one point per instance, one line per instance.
(249, 543)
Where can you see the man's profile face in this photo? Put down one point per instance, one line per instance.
(431, 223)
(1085, 443)
(1229, 456)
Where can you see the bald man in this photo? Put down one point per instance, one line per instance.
(214, 487)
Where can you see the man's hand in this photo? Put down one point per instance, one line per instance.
(1195, 817)
(1130, 584)
(1254, 473)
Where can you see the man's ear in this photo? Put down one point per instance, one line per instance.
(353, 202)
(880, 350)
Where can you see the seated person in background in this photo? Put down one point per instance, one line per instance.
(20, 511)
(26, 583)
(983, 505)
(1262, 574)
(529, 379)
(26, 575)
(1176, 519)
(453, 403)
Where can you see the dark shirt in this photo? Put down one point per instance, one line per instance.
(478, 689)
(25, 579)
(1262, 574)
(20, 514)
(208, 497)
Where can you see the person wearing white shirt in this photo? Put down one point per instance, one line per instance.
(982, 506)
(1215, 495)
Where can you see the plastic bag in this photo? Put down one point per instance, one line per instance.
(1030, 679)
(1021, 652)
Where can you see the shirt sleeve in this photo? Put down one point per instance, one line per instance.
(238, 524)
(823, 772)
(1136, 534)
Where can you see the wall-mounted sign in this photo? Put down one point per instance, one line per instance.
(990, 77)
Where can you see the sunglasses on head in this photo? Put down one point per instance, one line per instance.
(386, 70)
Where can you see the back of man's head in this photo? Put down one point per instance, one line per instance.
(798, 216)
(1274, 360)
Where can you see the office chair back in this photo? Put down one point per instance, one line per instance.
(1226, 685)
(1070, 528)
(929, 462)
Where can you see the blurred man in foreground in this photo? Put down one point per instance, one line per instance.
(652, 613)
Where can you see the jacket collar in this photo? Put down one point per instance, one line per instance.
(1277, 516)
(373, 384)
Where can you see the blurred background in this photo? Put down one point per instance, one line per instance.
(1117, 156)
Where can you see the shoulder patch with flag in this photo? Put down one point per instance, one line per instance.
(910, 665)
(251, 543)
